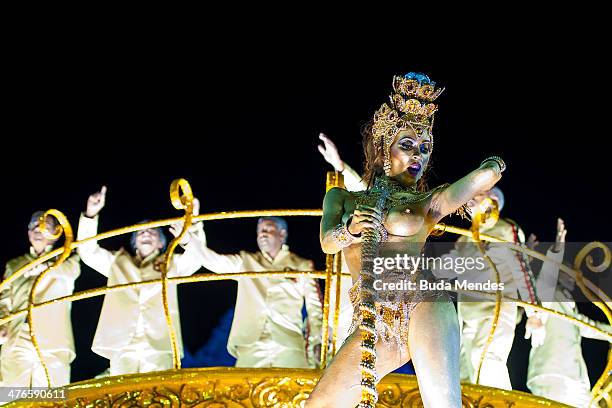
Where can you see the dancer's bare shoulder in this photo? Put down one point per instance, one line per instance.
(337, 201)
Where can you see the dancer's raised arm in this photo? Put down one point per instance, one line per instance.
(461, 191)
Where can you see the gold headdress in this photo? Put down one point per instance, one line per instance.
(411, 107)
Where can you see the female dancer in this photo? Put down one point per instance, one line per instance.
(396, 210)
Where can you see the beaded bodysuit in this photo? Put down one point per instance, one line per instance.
(393, 315)
(393, 308)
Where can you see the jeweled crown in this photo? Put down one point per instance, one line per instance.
(414, 94)
(411, 107)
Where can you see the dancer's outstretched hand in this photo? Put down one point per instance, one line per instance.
(176, 228)
(95, 203)
(532, 241)
(560, 237)
(535, 330)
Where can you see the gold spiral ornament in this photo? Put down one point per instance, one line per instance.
(181, 197)
(599, 391)
(65, 228)
(487, 209)
(584, 254)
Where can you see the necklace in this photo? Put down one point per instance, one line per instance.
(396, 194)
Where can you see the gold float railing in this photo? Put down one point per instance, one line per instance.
(182, 199)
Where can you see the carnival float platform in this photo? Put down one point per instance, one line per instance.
(230, 387)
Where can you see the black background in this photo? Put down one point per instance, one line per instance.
(241, 124)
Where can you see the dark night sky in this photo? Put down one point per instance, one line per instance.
(242, 128)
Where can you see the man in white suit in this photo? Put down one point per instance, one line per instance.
(19, 362)
(268, 329)
(132, 332)
(557, 369)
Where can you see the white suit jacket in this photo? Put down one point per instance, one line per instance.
(52, 323)
(277, 299)
(122, 311)
(513, 269)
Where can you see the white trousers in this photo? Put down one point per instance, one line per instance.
(21, 367)
(476, 319)
(139, 357)
(276, 347)
(562, 389)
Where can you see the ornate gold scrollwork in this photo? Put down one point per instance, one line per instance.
(288, 390)
(487, 209)
(604, 383)
(181, 197)
(255, 388)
